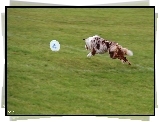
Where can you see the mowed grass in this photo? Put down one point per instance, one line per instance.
(43, 82)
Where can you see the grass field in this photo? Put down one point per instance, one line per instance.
(40, 81)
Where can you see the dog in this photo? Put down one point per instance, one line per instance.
(119, 52)
(98, 45)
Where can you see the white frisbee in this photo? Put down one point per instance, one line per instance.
(54, 45)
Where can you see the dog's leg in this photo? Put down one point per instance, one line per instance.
(92, 53)
(126, 60)
(89, 55)
(122, 61)
(86, 47)
(112, 55)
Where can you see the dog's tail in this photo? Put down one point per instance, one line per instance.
(129, 52)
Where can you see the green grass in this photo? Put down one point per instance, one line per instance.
(41, 81)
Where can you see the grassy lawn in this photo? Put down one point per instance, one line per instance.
(43, 82)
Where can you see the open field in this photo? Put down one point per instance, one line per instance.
(41, 81)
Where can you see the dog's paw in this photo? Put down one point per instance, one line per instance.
(89, 55)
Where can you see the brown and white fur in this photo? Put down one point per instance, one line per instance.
(121, 52)
(116, 51)
(98, 45)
